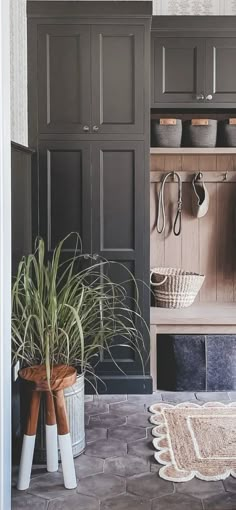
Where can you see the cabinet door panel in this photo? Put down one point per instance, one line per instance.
(118, 78)
(177, 70)
(221, 69)
(119, 201)
(64, 78)
(65, 193)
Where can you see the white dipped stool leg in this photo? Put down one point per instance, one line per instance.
(65, 445)
(28, 443)
(26, 461)
(51, 435)
(67, 461)
(51, 448)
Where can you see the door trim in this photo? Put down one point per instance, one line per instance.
(5, 260)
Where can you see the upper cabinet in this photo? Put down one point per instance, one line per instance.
(91, 78)
(117, 78)
(178, 66)
(193, 62)
(63, 78)
(221, 69)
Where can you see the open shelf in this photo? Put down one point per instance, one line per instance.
(193, 150)
(199, 318)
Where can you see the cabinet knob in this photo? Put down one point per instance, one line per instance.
(86, 128)
(95, 128)
(209, 97)
(200, 97)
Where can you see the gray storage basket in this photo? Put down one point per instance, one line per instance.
(200, 136)
(226, 134)
(166, 135)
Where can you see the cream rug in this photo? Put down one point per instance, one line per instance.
(194, 440)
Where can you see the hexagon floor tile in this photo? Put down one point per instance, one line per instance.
(176, 502)
(76, 502)
(93, 408)
(149, 486)
(213, 396)
(126, 466)
(175, 397)
(107, 420)
(141, 448)
(127, 408)
(102, 486)
(125, 502)
(24, 501)
(110, 398)
(230, 484)
(225, 501)
(94, 434)
(86, 466)
(49, 486)
(199, 488)
(127, 433)
(139, 420)
(106, 448)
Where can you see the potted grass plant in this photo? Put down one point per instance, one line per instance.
(65, 313)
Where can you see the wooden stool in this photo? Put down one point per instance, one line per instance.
(62, 376)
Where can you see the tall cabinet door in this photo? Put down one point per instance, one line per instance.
(63, 78)
(178, 70)
(221, 70)
(117, 79)
(65, 193)
(118, 196)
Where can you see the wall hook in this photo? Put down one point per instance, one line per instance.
(198, 176)
(225, 178)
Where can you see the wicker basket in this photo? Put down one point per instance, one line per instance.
(175, 288)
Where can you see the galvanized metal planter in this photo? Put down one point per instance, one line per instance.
(74, 397)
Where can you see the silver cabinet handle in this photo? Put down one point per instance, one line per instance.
(95, 128)
(209, 97)
(200, 97)
(86, 128)
(95, 256)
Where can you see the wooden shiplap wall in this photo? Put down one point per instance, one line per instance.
(207, 245)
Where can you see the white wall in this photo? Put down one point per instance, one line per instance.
(18, 46)
(194, 7)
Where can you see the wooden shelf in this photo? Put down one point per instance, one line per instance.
(198, 318)
(193, 150)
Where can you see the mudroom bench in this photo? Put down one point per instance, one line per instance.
(203, 319)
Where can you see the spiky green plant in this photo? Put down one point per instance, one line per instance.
(64, 315)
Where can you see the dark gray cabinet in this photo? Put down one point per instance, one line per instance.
(91, 78)
(221, 69)
(117, 79)
(89, 109)
(193, 62)
(178, 66)
(63, 78)
(65, 193)
(95, 188)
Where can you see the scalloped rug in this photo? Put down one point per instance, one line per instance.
(195, 441)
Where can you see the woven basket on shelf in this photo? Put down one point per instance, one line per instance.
(175, 288)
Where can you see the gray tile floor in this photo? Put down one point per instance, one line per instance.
(118, 471)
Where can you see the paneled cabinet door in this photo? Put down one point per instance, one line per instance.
(118, 76)
(221, 70)
(63, 78)
(178, 71)
(65, 193)
(118, 181)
